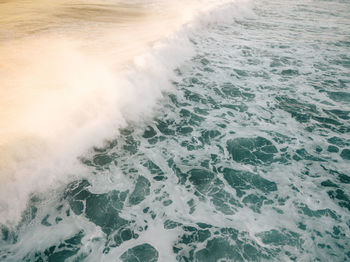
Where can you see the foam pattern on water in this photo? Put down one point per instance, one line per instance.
(247, 159)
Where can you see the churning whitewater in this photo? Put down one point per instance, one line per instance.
(72, 74)
(175, 130)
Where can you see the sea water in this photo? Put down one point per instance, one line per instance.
(224, 139)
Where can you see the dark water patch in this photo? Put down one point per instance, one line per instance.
(345, 154)
(304, 209)
(169, 224)
(342, 43)
(257, 150)
(289, 72)
(144, 253)
(328, 183)
(228, 90)
(342, 60)
(223, 201)
(220, 244)
(204, 61)
(339, 96)
(333, 149)
(109, 144)
(30, 213)
(201, 179)
(344, 178)
(155, 140)
(242, 181)
(281, 238)
(240, 107)
(176, 101)
(302, 154)
(326, 120)
(194, 97)
(192, 144)
(342, 198)
(218, 249)
(208, 136)
(8, 236)
(190, 118)
(149, 132)
(166, 127)
(254, 202)
(207, 186)
(44, 221)
(240, 73)
(201, 111)
(101, 209)
(60, 252)
(302, 112)
(340, 142)
(276, 63)
(102, 160)
(182, 176)
(141, 190)
(155, 170)
(261, 74)
(342, 114)
(186, 130)
(131, 145)
(280, 138)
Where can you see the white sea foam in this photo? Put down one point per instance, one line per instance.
(67, 89)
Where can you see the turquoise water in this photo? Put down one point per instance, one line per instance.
(246, 159)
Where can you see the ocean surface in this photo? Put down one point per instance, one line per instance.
(221, 133)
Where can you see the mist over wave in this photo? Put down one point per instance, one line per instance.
(72, 74)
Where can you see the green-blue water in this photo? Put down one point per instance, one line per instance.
(247, 158)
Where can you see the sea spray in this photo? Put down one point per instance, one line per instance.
(64, 90)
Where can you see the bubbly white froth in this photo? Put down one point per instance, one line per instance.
(71, 74)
